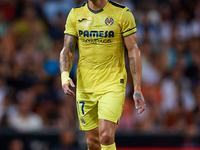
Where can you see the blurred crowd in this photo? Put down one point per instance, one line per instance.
(31, 38)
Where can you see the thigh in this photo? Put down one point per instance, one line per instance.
(87, 110)
(110, 106)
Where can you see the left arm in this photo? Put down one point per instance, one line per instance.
(136, 70)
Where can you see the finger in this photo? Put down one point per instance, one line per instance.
(70, 92)
(65, 87)
(137, 105)
(143, 107)
(140, 110)
(67, 90)
(71, 83)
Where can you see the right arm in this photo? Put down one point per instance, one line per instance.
(66, 61)
(66, 55)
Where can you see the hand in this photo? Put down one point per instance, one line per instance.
(139, 102)
(66, 88)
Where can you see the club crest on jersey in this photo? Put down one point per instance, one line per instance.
(109, 21)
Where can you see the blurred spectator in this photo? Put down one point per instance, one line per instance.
(53, 7)
(3, 93)
(126, 121)
(25, 25)
(193, 71)
(178, 52)
(149, 121)
(3, 24)
(7, 109)
(177, 89)
(189, 141)
(68, 141)
(150, 74)
(16, 144)
(51, 66)
(24, 119)
(38, 145)
(127, 3)
(67, 111)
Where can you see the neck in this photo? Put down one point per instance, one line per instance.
(97, 4)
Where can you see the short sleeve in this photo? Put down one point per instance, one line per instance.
(128, 23)
(70, 26)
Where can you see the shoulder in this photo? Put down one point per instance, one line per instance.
(80, 6)
(78, 10)
(117, 7)
(116, 4)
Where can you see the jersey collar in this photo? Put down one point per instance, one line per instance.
(96, 12)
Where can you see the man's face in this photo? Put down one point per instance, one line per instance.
(93, 0)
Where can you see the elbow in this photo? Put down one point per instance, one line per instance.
(62, 51)
(134, 51)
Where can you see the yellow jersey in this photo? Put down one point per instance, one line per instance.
(101, 65)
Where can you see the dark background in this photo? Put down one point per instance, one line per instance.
(35, 114)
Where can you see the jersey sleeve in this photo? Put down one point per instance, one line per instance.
(70, 26)
(128, 23)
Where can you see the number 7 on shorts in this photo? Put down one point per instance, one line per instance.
(82, 107)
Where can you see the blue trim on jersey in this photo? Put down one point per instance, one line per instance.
(130, 34)
(96, 12)
(116, 4)
(129, 30)
(80, 6)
